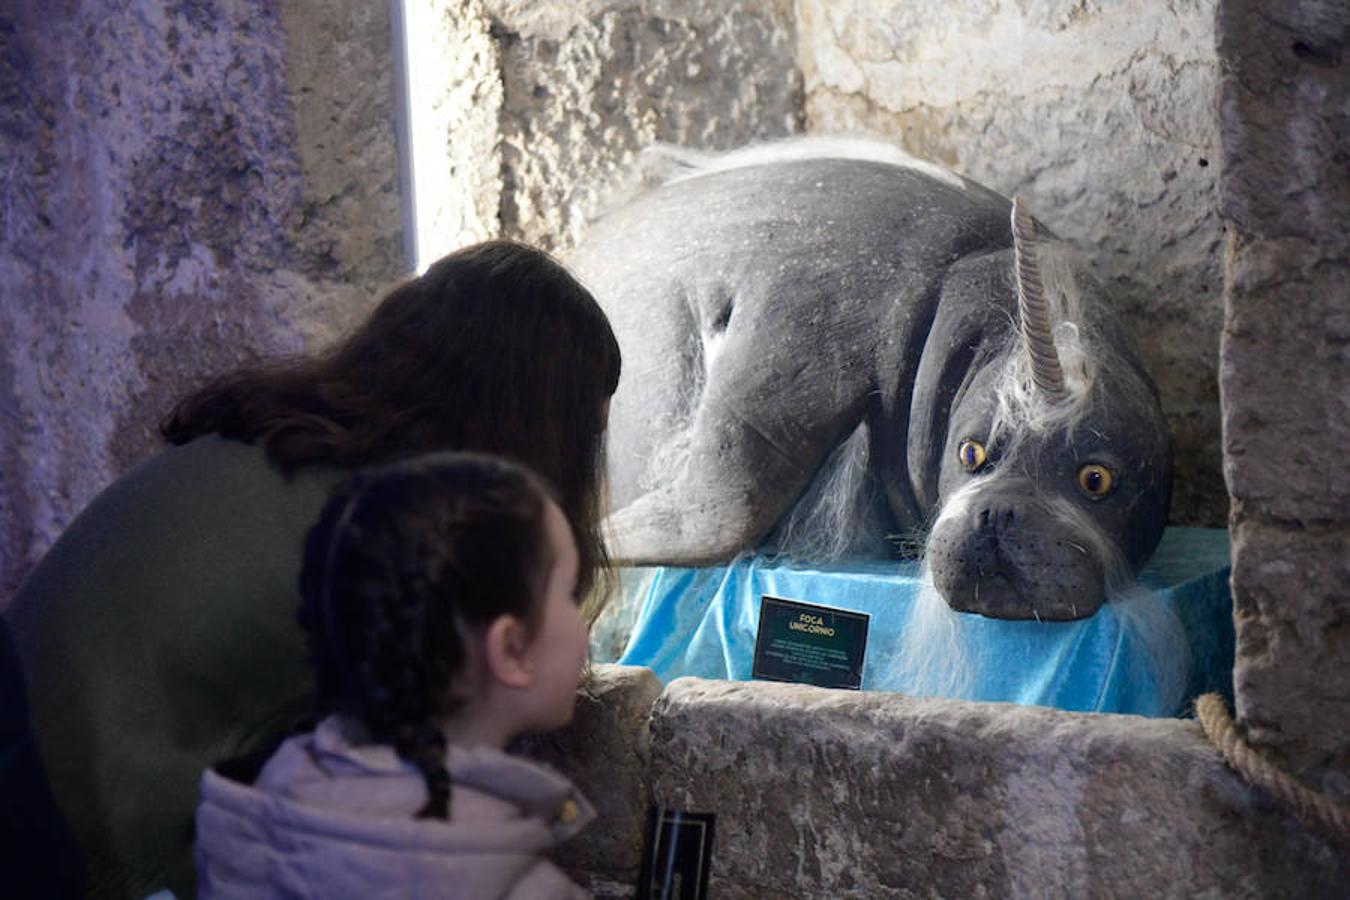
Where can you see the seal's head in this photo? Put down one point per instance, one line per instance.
(1055, 477)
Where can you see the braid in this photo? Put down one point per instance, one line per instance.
(406, 684)
(402, 559)
(424, 746)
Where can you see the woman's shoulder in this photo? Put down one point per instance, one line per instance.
(211, 482)
(199, 518)
(226, 467)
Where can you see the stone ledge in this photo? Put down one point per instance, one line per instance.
(830, 793)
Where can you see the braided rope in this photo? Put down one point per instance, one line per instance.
(1032, 311)
(1312, 808)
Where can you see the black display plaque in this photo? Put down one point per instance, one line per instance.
(676, 855)
(810, 644)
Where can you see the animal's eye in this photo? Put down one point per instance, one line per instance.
(1095, 480)
(972, 455)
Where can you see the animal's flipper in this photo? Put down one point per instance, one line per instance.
(758, 436)
(736, 484)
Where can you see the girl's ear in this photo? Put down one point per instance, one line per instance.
(506, 646)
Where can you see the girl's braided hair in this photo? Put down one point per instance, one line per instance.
(404, 559)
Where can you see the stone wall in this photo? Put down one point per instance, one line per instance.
(1286, 374)
(187, 187)
(854, 794)
(1101, 114)
(557, 98)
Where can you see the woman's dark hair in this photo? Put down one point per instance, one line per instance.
(404, 559)
(495, 349)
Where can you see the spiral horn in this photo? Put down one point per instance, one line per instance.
(1032, 311)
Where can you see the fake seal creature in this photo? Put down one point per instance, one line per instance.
(834, 350)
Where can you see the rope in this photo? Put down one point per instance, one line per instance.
(1312, 808)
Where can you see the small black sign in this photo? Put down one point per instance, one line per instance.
(676, 855)
(810, 644)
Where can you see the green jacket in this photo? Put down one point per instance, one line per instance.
(159, 636)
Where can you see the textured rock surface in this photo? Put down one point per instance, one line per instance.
(837, 794)
(1101, 114)
(455, 102)
(586, 85)
(1286, 375)
(188, 187)
(605, 752)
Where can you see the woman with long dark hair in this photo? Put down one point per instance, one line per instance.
(159, 634)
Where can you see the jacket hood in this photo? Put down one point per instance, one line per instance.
(332, 817)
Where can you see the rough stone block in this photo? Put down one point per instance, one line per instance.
(839, 794)
(1286, 353)
(1284, 108)
(189, 188)
(1292, 678)
(1101, 114)
(454, 97)
(1285, 371)
(605, 751)
(584, 86)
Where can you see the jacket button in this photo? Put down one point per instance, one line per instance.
(568, 812)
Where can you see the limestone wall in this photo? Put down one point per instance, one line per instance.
(186, 188)
(547, 103)
(1286, 375)
(842, 794)
(1101, 113)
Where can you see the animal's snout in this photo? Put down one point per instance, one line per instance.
(1007, 555)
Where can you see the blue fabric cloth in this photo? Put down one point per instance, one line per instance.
(1149, 656)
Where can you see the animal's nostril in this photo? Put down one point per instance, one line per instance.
(723, 320)
(995, 519)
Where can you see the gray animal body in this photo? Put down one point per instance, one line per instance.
(776, 306)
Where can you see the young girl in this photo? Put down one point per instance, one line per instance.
(439, 599)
